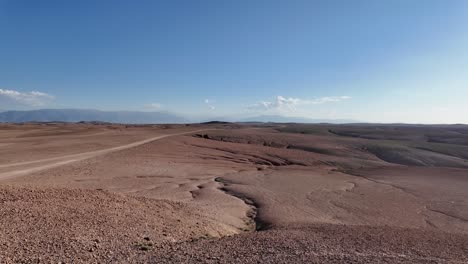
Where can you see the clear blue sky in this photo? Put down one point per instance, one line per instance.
(380, 61)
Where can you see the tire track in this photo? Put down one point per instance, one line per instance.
(59, 161)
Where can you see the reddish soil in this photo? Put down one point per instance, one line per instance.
(314, 193)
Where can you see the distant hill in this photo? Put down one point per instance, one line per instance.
(135, 117)
(76, 115)
(286, 119)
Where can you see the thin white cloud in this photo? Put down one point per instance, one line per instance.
(153, 106)
(33, 98)
(324, 100)
(209, 104)
(282, 103)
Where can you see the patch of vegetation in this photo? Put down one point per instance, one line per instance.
(216, 123)
(313, 149)
(144, 246)
(219, 179)
(311, 129)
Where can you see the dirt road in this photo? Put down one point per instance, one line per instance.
(59, 161)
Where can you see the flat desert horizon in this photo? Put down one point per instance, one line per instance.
(233, 193)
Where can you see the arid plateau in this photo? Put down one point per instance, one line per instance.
(233, 193)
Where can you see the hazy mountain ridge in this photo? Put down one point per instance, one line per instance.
(136, 117)
(76, 115)
(287, 119)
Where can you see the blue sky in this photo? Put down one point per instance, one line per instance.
(378, 61)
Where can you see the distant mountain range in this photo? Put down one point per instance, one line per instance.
(77, 115)
(134, 117)
(287, 119)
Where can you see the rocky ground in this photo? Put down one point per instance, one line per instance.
(85, 226)
(323, 244)
(92, 193)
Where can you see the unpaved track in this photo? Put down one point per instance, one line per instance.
(59, 161)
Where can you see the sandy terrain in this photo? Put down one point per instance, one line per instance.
(182, 194)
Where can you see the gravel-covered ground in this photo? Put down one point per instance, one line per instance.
(323, 244)
(90, 226)
(85, 226)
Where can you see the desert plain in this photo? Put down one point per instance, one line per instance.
(233, 193)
